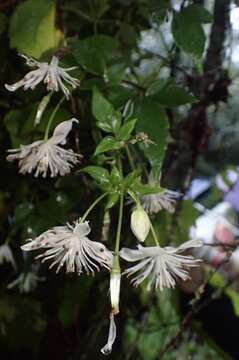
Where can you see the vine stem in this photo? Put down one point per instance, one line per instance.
(52, 118)
(154, 234)
(131, 161)
(118, 233)
(92, 207)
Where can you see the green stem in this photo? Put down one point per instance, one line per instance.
(52, 118)
(41, 108)
(154, 234)
(118, 233)
(131, 161)
(92, 207)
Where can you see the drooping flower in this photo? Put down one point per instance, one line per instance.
(162, 265)
(140, 223)
(51, 74)
(7, 256)
(69, 245)
(166, 199)
(106, 350)
(41, 155)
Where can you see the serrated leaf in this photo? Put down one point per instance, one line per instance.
(102, 110)
(108, 143)
(99, 174)
(153, 121)
(94, 52)
(188, 34)
(32, 28)
(126, 130)
(173, 96)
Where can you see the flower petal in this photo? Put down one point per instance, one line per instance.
(61, 131)
(106, 350)
(190, 244)
(131, 254)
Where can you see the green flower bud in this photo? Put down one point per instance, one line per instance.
(140, 223)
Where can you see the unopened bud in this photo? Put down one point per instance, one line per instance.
(140, 223)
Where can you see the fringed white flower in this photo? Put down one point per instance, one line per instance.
(166, 199)
(162, 265)
(70, 245)
(106, 350)
(7, 256)
(41, 155)
(51, 74)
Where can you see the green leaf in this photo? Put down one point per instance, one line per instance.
(198, 14)
(188, 33)
(32, 28)
(153, 121)
(99, 174)
(173, 96)
(156, 86)
(118, 95)
(126, 130)
(130, 179)
(112, 200)
(102, 110)
(108, 143)
(94, 52)
(115, 178)
(145, 189)
(114, 74)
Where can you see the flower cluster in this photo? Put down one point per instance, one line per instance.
(69, 246)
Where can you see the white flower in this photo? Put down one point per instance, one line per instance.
(7, 256)
(41, 155)
(106, 350)
(27, 281)
(51, 74)
(70, 245)
(166, 199)
(140, 223)
(162, 265)
(115, 291)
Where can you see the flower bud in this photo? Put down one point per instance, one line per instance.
(140, 223)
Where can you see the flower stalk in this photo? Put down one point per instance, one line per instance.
(51, 118)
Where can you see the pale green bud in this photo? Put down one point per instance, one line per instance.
(140, 223)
